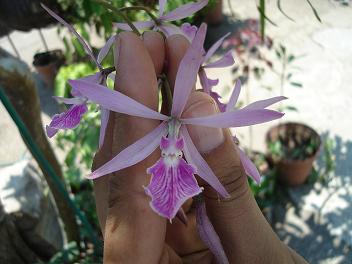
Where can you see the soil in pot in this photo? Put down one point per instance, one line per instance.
(292, 149)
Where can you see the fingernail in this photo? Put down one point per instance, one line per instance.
(205, 138)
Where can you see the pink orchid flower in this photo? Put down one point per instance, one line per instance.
(72, 117)
(173, 180)
(163, 21)
(249, 167)
(225, 61)
(189, 31)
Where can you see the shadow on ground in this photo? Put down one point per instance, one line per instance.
(316, 219)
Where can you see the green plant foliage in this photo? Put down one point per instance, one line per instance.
(71, 254)
(73, 71)
(264, 192)
(79, 144)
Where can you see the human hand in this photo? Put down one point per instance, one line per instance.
(133, 233)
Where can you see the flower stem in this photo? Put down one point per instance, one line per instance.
(108, 5)
(146, 9)
(167, 92)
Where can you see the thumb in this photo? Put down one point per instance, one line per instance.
(216, 146)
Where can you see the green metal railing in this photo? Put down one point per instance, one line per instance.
(40, 158)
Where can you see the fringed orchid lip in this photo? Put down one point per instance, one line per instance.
(173, 181)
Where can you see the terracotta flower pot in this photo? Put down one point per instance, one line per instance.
(293, 171)
(47, 65)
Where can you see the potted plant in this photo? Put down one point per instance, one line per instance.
(47, 65)
(292, 148)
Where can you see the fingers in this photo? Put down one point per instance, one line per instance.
(155, 45)
(216, 145)
(133, 232)
(176, 47)
(244, 233)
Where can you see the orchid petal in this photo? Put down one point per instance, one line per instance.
(104, 118)
(204, 81)
(85, 45)
(187, 72)
(265, 103)
(214, 48)
(133, 154)
(50, 131)
(208, 234)
(170, 29)
(94, 78)
(203, 170)
(189, 31)
(171, 186)
(225, 61)
(234, 96)
(184, 11)
(249, 167)
(162, 4)
(216, 97)
(70, 101)
(105, 49)
(138, 25)
(68, 119)
(115, 101)
(237, 118)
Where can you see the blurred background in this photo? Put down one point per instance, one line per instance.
(297, 48)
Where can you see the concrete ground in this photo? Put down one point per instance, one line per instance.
(318, 225)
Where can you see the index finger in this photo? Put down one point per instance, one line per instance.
(126, 237)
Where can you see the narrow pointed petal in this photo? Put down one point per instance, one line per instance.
(189, 31)
(187, 72)
(237, 118)
(162, 4)
(249, 167)
(138, 25)
(170, 29)
(226, 61)
(133, 154)
(171, 186)
(184, 11)
(85, 45)
(208, 234)
(265, 103)
(203, 170)
(50, 131)
(216, 97)
(207, 85)
(94, 78)
(67, 120)
(234, 96)
(204, 81)
(215, 47)
(104, 118)
(69, 101)
(114, 101)
(105, 49)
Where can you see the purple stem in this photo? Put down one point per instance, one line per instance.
(207, 232)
